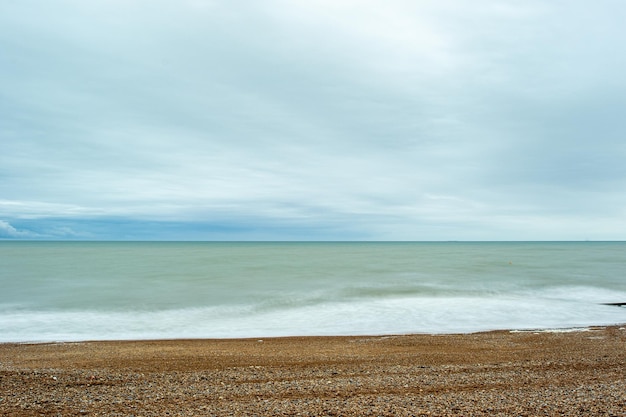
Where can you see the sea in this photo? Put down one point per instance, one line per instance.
(77, 291)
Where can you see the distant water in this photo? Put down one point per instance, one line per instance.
(62, 291)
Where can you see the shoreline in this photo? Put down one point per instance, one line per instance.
(157, 339)
(502, 372)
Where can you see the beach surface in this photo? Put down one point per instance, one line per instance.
(529, 373)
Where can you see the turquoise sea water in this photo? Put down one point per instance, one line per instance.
(138, 290)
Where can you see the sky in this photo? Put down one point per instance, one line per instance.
(312, 120)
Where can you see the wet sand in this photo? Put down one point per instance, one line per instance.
(495, 373)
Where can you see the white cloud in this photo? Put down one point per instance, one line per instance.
(393, 117)
(10, 232)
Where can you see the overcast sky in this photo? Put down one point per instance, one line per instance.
(313, 119)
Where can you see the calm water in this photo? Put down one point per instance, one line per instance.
(101, 290)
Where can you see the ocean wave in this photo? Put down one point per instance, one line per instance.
(397, 315)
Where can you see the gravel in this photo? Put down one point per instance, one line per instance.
(494, 373)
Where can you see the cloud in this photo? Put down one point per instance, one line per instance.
(9, 232)
(390, 120)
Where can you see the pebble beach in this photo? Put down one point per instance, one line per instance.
(500, 373)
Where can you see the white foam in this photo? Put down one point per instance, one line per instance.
(375, 316)
(564, 330)
(580, 293)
